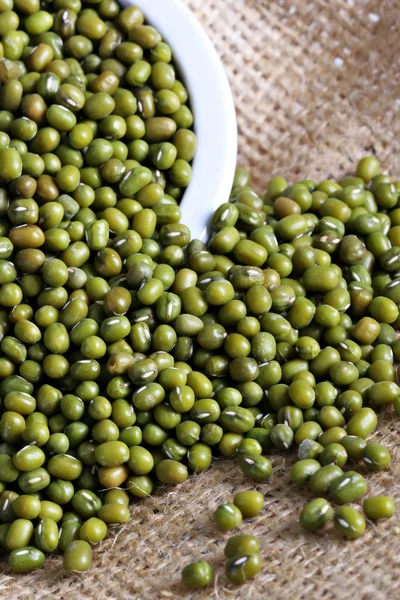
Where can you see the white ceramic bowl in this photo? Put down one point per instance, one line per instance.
(212, 105)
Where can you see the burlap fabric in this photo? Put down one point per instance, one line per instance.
(316, 87)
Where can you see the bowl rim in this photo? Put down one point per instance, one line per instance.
(212, 104)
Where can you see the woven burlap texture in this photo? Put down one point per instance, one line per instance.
(316, 87)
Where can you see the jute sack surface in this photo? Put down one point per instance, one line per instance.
(316, 87)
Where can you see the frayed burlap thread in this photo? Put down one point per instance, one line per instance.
(316, 86)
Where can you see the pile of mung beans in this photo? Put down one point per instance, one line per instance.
(131, 354)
